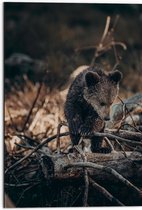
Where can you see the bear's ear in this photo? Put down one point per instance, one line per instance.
(115, 76)
(91, 78)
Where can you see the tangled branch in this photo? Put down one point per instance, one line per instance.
(107, 42)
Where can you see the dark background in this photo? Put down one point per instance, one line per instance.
(50, 33)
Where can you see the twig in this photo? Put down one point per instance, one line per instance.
(129, 147)
(18, 185)
(24, 146)
(112, 137)
(132, 135)
(116, 56)
(39, 150)
(115, 66)
(106, 169)
(127, 110)
(132, 127)
(27, 140)
(28, 188)
(85, 200)
(11, 119)
(15, 178)
(103, 191)
(121, 147)
(58, 135)
(37, 115)
(31, 109)
(123, 117)
(99, 47)
(86, 179)
(107, 42)
(34, 150)
(109, 143)
(113, 43)
(106, 29)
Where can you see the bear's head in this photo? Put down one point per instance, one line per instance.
(100, 90)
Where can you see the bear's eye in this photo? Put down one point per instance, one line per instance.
(103, 104)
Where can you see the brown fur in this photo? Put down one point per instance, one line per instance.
(88, 102)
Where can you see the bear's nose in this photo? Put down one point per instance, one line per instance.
(107, 118)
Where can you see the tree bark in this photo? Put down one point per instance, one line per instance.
(130, 167)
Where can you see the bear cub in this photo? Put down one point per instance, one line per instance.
(88, 104)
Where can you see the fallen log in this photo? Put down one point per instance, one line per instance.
(130, 167)
(113, 170)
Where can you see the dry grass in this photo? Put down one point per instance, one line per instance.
(45, 117)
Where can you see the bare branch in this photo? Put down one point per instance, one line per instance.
(58, 135)
(112, 137)
(103, 191)
(86, 188)
(11, 119)
(107, 42)
(33, 105)
(127, 111)
(106, 29)
(109, 135)
(106, 169)
(109, 143)
(34, 150)
(121, 147)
